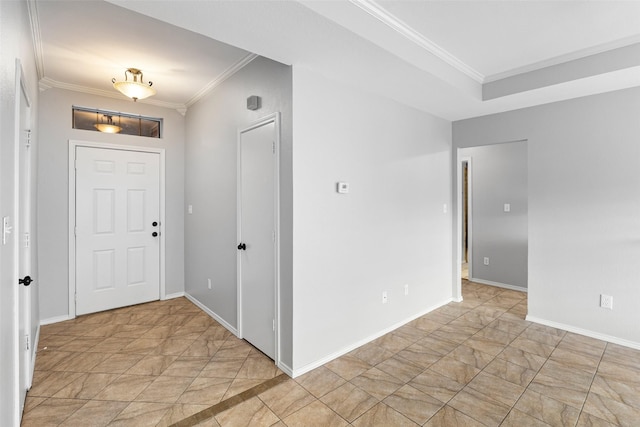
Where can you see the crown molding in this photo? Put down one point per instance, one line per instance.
(572, 56)
(34, 19)
(47, 83)
(384, 16)
(221, 78)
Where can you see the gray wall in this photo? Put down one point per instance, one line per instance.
(390, 230)
(15, 43)
(584, 207)
(498, 176)
(212, 126)
(55, 130)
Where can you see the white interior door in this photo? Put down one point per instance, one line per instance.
(117, 228)
(257, 234)
(23, 234)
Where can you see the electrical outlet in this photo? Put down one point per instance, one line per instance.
(190, 209)
(507, 207)
(384, 297)
(209, 283)
(486, 260)
(606, 301)
(406, 289)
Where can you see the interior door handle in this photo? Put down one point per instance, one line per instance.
(242, 247)
(26, 281)
(154, 234)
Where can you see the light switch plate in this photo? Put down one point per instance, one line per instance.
(507, 207)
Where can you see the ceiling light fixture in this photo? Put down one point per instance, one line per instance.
(134, 89)
(108, 126)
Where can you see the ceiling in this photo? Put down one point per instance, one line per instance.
(455, 59)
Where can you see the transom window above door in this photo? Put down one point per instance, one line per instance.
(115, 122)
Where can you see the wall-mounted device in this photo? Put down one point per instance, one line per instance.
(343, 187)
(254, 102)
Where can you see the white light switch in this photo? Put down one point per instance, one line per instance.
(343, 187)
(507, 207)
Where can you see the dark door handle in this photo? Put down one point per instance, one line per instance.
(242, 247)
(154, 223)
(154, 234)
(26, 281)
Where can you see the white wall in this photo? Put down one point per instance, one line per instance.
(584, 208)
(212, 126)
(390, 230)
(15, 43)
(498, 176)
(55, 130)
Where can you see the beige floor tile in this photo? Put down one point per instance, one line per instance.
(496, 388)
(95, 413)
(320, 381)
(622, 355)
(511, 372)
(510, 326)
(172, 347)
(140, 414)
(531, 346)
(622, 390)
(587, 420)
(315, 414)
(549, 410)
(286, 398)
(393, 342)
(259, 367)
(419, 355)
(439, 346)
(579, 379)
(51, 412)
(348, 367)
(383, 415)
(165, 389)
(558, 389)
(377, 383)
(456, 332)
(87, 386)
(234, 347)
(425, 325)
(412, 333)
(151, 365)
(142, 345)
(83, 344)
(436, 385)
(414, 404)
(81, 362)
(117, 363)
(471, 356)
(575, 359)
(179, 412)
(53, 383)
(109, 345)
(186, 367)
(522, 358)
(400, 368)
(205, 391)
(238, 385)
(203, 347)
(349, 401)
(520, 419)
(611, 410)
(125, 388)
(31, 402)
(450, 417)
(249, 413)
(48, 359)
(372, 354)
(484, 409)
(455, 370)
(223, 367)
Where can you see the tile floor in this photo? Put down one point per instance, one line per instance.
(475, 363)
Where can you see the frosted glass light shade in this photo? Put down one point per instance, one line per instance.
(107, 128)
(134, 89)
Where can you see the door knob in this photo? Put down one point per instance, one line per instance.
(154, 234)
(154, 223)
(242, 247)
(26, 281)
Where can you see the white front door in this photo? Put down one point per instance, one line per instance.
(257, 236)
(117, 228)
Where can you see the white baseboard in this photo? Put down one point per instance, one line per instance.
(499, 285)
(56, 319)
(34, 352)
(286, 369)
(585, 332)
(311, 366)
(173, 295)
(207, 310)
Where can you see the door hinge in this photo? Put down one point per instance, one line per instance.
(274, 324)
(273, 236)
(273, 147)
(75, 231)
(28, 140)
(28, 344)
(27, 240)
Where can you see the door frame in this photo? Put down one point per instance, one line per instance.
(72, 211)
(275, 119)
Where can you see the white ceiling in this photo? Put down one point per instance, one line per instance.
(432, 55)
